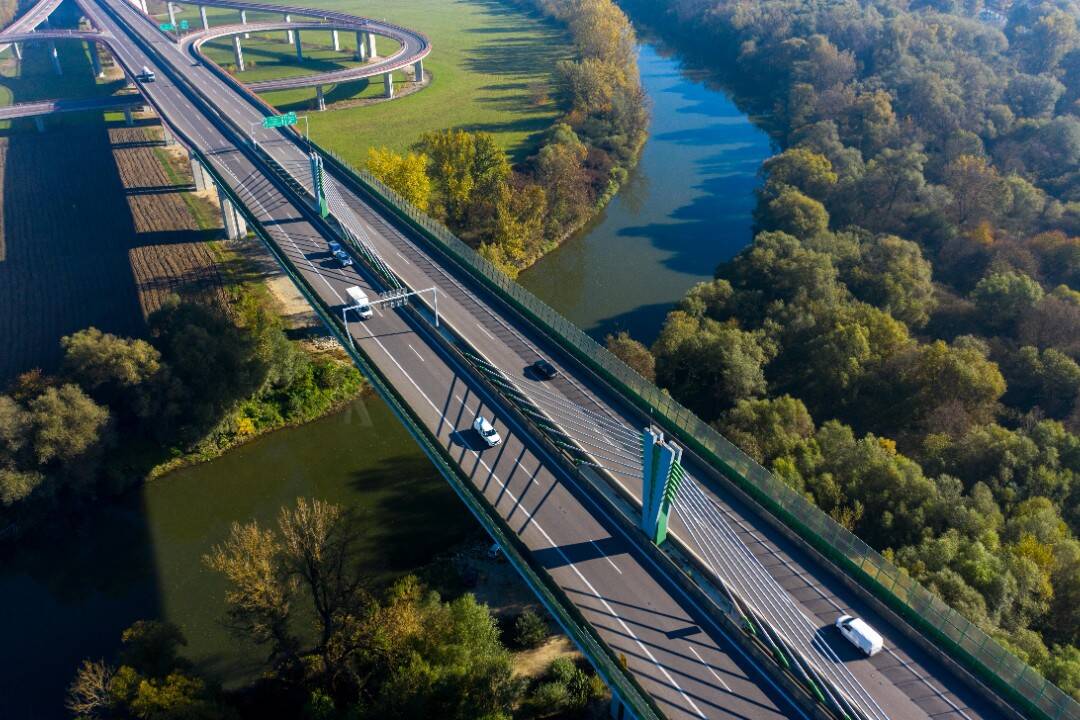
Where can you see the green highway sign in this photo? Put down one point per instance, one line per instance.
(184, 25)
(166, 27)
(275, 121)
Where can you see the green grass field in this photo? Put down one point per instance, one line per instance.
(486, 55)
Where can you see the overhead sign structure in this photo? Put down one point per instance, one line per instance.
(276, 121)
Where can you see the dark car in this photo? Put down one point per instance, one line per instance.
(543, 369)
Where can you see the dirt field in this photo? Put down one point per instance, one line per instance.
(172, 254)
(95, 232)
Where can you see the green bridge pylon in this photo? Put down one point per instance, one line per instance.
(318, 183)
(663, 473)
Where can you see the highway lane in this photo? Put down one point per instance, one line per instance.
(678, 656)
(906, 681)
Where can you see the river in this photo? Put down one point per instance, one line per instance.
(686, 208)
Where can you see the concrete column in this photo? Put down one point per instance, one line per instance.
(18, 50)
(172, 14)
(299, 48)
(235, 227)
(238, 52)
(202, 16)
(95, 61)
(288, 33)
(129, 119)
(39, 121)
(243, 21)
(388, 82)
(336, 39)
(167, 136)
(198, 175)
(55, 58)
(418, 71)
(319, 98)
(359, 54)
(371, 54)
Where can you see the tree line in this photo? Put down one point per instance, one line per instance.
(515, 214)
(335, 646)
(901, 340)
(205, 379)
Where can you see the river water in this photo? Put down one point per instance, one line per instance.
(686, 207)
(64, 598)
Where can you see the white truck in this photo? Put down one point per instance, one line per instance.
(361, 303)
(860, 634)
(146, 76)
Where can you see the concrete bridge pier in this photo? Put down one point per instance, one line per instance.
(360, 49)
(371, 53)
(238, 52)
(202, 16)
(320, 99)
(18, 50)
(288, 33)
(202, 179)
(243, 21)
(129, 119)
(235, 225)
(95, 60)
(299, 48)
(39, 122)
(167, 136)
(336, 40)
(55, 58)
(418, 71)
(388, 82)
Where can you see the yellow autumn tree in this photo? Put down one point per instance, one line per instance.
(405, 174)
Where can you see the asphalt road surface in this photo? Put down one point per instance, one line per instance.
(676, 653)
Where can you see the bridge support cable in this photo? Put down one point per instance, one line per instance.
(770, 612)
(760, 589)
(307, 178)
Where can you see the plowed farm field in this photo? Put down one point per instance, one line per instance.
(93, 231)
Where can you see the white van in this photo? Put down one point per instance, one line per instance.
(361, 304)
(860, 634)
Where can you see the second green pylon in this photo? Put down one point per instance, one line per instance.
(663, 473)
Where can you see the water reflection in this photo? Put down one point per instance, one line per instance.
(685, 208)
(69, 595)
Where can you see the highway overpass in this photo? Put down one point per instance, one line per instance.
(689, 661)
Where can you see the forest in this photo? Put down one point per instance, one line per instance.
(337, 645)
(513, 215)
(123, 408)
(900, 341)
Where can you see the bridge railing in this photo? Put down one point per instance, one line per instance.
(580, 631)
(1009, 676)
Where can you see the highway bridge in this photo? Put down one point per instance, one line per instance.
(731, 616)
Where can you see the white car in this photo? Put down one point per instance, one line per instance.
(486, 430)
(860, 634)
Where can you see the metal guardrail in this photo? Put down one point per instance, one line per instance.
(1013, 679)
(570, 619)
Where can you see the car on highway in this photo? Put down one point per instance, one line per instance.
(486, 431)
(860, 634)
(543, 370)
(339, 252)
(361, 304)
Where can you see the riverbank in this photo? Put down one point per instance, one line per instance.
(686, 207)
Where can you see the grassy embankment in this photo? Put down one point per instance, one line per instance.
(488, 63)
